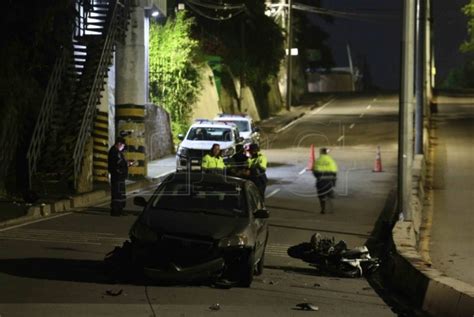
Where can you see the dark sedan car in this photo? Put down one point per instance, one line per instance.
(199, 226)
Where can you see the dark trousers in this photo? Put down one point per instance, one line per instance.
(325, 183)
(117, 186)
(261, 182)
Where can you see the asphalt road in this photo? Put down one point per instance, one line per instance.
(54, 267)
(453, 189)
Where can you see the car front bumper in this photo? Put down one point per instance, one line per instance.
(174, 273)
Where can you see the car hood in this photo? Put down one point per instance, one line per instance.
(245, 135)
(204, 145)
(196, 224)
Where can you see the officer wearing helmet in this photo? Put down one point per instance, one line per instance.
(257, 165)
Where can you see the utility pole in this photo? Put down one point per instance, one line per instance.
(288, 58)
(405, 130)
(420, 74)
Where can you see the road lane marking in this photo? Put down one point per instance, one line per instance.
(368, 107)
(97, 239)
(298, 119)
(340, 138)
(352, 125)
(273, 193)
(36, 221)
(302, 171)
(361, 115)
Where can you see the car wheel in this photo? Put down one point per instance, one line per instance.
(247, 270)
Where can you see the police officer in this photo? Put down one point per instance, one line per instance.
(325, 171)
(213, 161)
(257, 165)
(118, 169)
(239, 163)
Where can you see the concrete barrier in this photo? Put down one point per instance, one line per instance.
(425, 287)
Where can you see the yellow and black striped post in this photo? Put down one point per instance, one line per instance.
(101, 147)
(130, 120)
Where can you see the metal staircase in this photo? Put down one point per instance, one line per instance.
(67, 114)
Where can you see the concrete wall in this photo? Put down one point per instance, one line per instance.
(207, 105)
(332, 82)
(427, 288)
(158, 139)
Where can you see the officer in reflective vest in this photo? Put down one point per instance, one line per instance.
(325, 171)
(213, 162)
(257, 164)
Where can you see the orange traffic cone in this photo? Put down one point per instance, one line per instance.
(311, 159)
(378, 161)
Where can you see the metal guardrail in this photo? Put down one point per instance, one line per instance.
(43, 124)
(119, 10)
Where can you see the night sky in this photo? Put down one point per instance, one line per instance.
(375, 36)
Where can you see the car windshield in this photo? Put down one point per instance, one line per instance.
(210, 134)
(221, 198)
(243, 125)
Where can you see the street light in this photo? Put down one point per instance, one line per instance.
(288, 66)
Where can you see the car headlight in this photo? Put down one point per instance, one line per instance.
(239, 240)
(143, 233)
(228, 152)
(182, 151)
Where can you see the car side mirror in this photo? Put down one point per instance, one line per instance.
(240, 139)
(262, 214)
(180, 137)
(139, 201)
(256, 129)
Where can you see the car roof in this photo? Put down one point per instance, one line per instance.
(211, 124)
(225, 116)
(210, 178)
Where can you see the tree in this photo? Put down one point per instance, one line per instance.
(174, 74)
(468, 45)
(249, 42)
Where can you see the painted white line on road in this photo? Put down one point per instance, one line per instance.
(323, 106)
(298, 119)
(361, 115)
(35, 221)
(368, 107)
(292, 123)
(302, 171)
(273, 193)
(352, 125)
(340, 138)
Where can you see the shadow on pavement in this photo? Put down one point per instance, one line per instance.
(86, 271)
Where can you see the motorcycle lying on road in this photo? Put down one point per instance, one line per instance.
(335, 258)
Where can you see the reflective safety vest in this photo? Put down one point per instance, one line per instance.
(325, 163)
(259, 162)
(210, 162)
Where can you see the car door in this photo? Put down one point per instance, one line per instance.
(259, 226)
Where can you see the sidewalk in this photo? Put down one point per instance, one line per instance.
(13, 212)
(444, 285)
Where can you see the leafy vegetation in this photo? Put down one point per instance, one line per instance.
(174, 74)
(468, 45)
(462, 77)
(250, 44)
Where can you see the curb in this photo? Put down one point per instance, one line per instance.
(430, 290)
(77, 201)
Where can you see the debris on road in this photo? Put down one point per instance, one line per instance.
(112, 292)
(307, 306)
(215, 306)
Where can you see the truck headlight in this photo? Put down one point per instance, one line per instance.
(239, 240)
(182, 151)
